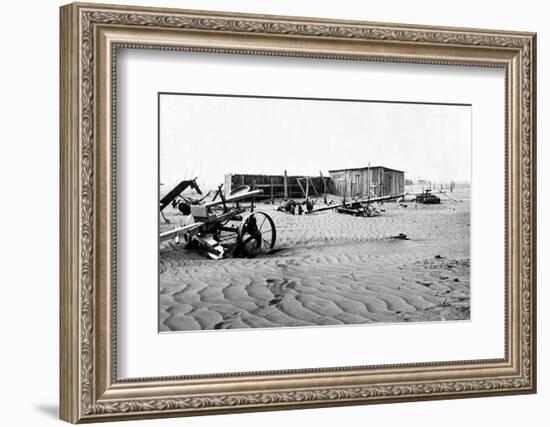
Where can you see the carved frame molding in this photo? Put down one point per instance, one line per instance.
(89, 388)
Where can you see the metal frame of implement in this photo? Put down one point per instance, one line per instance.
(210, 227)
(356, 206)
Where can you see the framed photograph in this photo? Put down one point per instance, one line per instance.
(266, 212)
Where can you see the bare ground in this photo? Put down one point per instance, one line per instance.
(328, 269)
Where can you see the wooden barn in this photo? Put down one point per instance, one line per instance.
(280, 186)
(381, 180)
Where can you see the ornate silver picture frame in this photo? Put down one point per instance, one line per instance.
(91, 37)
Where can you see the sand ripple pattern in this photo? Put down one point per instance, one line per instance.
(329, 269)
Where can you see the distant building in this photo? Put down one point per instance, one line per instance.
(381, 180)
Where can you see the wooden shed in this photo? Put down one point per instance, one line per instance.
(381, 180)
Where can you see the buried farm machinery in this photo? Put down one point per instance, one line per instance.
(358, 207)
(223, 227)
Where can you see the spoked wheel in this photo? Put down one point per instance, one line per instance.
(256, 235)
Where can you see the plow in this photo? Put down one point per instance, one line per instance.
(358, 207)
(427, 197)
(224, 228)
(180, 202)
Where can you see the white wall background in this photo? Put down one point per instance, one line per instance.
(29, 224)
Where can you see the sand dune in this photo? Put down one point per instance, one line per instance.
(328, 269)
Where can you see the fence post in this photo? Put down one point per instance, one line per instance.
(253, 197)
(285, 187)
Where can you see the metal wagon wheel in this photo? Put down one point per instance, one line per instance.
(256, 234)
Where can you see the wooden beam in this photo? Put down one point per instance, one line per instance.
(301, 187)
(236, 197)
(357, 202)
(285, 186)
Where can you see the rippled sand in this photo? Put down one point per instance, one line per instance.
(328, 269)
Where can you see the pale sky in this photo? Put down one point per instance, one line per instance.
(209, 136)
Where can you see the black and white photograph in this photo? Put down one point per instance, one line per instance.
(306, 212)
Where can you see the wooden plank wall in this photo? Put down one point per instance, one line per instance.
(356, 182)
(275, 184)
